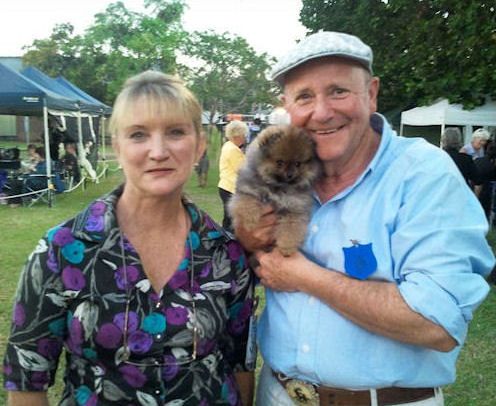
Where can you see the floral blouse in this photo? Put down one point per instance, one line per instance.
(74, 292)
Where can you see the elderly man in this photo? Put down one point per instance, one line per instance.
(475, 148)
(375, 309)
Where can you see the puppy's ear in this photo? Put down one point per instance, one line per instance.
(270, 136)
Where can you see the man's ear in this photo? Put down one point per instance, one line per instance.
(373, 93)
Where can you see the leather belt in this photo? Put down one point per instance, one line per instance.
(306, 394)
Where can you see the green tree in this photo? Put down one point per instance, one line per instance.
(423, 50)
(119, 44)
(227, 74)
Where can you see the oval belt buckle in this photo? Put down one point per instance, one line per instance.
(302, 393)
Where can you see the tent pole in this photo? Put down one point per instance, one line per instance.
(48, 158)
(102, 132)
(401, 130)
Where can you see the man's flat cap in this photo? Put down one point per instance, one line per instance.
(325, 43)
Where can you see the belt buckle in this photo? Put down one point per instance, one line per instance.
(302, 393)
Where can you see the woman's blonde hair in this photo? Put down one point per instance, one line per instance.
(236, 128)
(163, 95)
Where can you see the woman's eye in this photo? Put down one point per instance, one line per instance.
(137, 135)
(177, 132)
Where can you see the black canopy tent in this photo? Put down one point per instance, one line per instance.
(39, 95)
(21, 96)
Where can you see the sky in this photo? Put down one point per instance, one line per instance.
(269, 26)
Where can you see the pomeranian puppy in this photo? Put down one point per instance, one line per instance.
(280, 168)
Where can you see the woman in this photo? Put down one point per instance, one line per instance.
(475, 148)
(230, 160)
(148, 296)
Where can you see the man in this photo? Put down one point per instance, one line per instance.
(70, 163)
(375, 309)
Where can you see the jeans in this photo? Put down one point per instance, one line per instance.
(271, 393)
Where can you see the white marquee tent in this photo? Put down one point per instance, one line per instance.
(445, 114)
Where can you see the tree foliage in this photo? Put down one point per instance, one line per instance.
(228, 74)
(423, 49)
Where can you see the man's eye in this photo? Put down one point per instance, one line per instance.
(339, 93)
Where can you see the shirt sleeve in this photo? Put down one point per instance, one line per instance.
(38, 324)
(239, 308)
(440, 252)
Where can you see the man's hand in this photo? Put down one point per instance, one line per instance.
(262, 236)
(282, 273)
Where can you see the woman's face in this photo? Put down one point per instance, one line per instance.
(156, 152)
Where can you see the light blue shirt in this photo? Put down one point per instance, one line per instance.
(409, 219)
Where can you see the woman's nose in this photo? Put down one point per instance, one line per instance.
(158, 147)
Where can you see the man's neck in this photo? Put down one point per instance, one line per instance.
(338, 176)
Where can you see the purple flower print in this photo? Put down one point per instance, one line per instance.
(94, 223)
(92, 401)
(178, 280)
(98, 209)
(139, 342)
(205, 271)
(7, 369)
(73, 278)
(133, 376)
(19, 316)
(205, 347)
(39, 380)
(52, 263)
(246, 310)
(63, 236)
(49, 348)
(9, 385)
(209, 223)
(176, 315)
(203, 402)
(237, 326)
(109, 336)
(229, 392)
(76, 331)
(234, 250)
(132, 321)
(132, 276)
(170, 369)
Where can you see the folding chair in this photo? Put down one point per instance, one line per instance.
(38, 190)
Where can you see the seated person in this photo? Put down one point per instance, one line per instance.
(33, 181)
(29, 164)
(70, 162)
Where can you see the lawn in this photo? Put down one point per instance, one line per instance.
(22, 227)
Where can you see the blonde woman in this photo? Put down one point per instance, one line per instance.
(231, 159)
(148, 296)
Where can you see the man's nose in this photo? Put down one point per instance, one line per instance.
(323, 109)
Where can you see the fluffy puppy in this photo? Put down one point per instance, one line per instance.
(280, 168)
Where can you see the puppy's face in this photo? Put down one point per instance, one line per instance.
(287, 157)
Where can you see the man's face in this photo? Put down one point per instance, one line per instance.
(333, 99)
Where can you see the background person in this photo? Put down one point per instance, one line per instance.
(70, 162)
(451, 142)
(375, 309)
(147, 294)
(230, 160)
(477, 143)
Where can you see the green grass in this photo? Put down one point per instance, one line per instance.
(22, 227)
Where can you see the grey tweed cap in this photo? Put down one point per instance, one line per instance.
(324, 43)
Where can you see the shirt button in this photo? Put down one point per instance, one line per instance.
(315, 228)
(157, 392)
(305, 348)
(311, 300)
(158, 336)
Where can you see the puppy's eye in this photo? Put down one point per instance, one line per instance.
(297, 164)
(280, 163)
